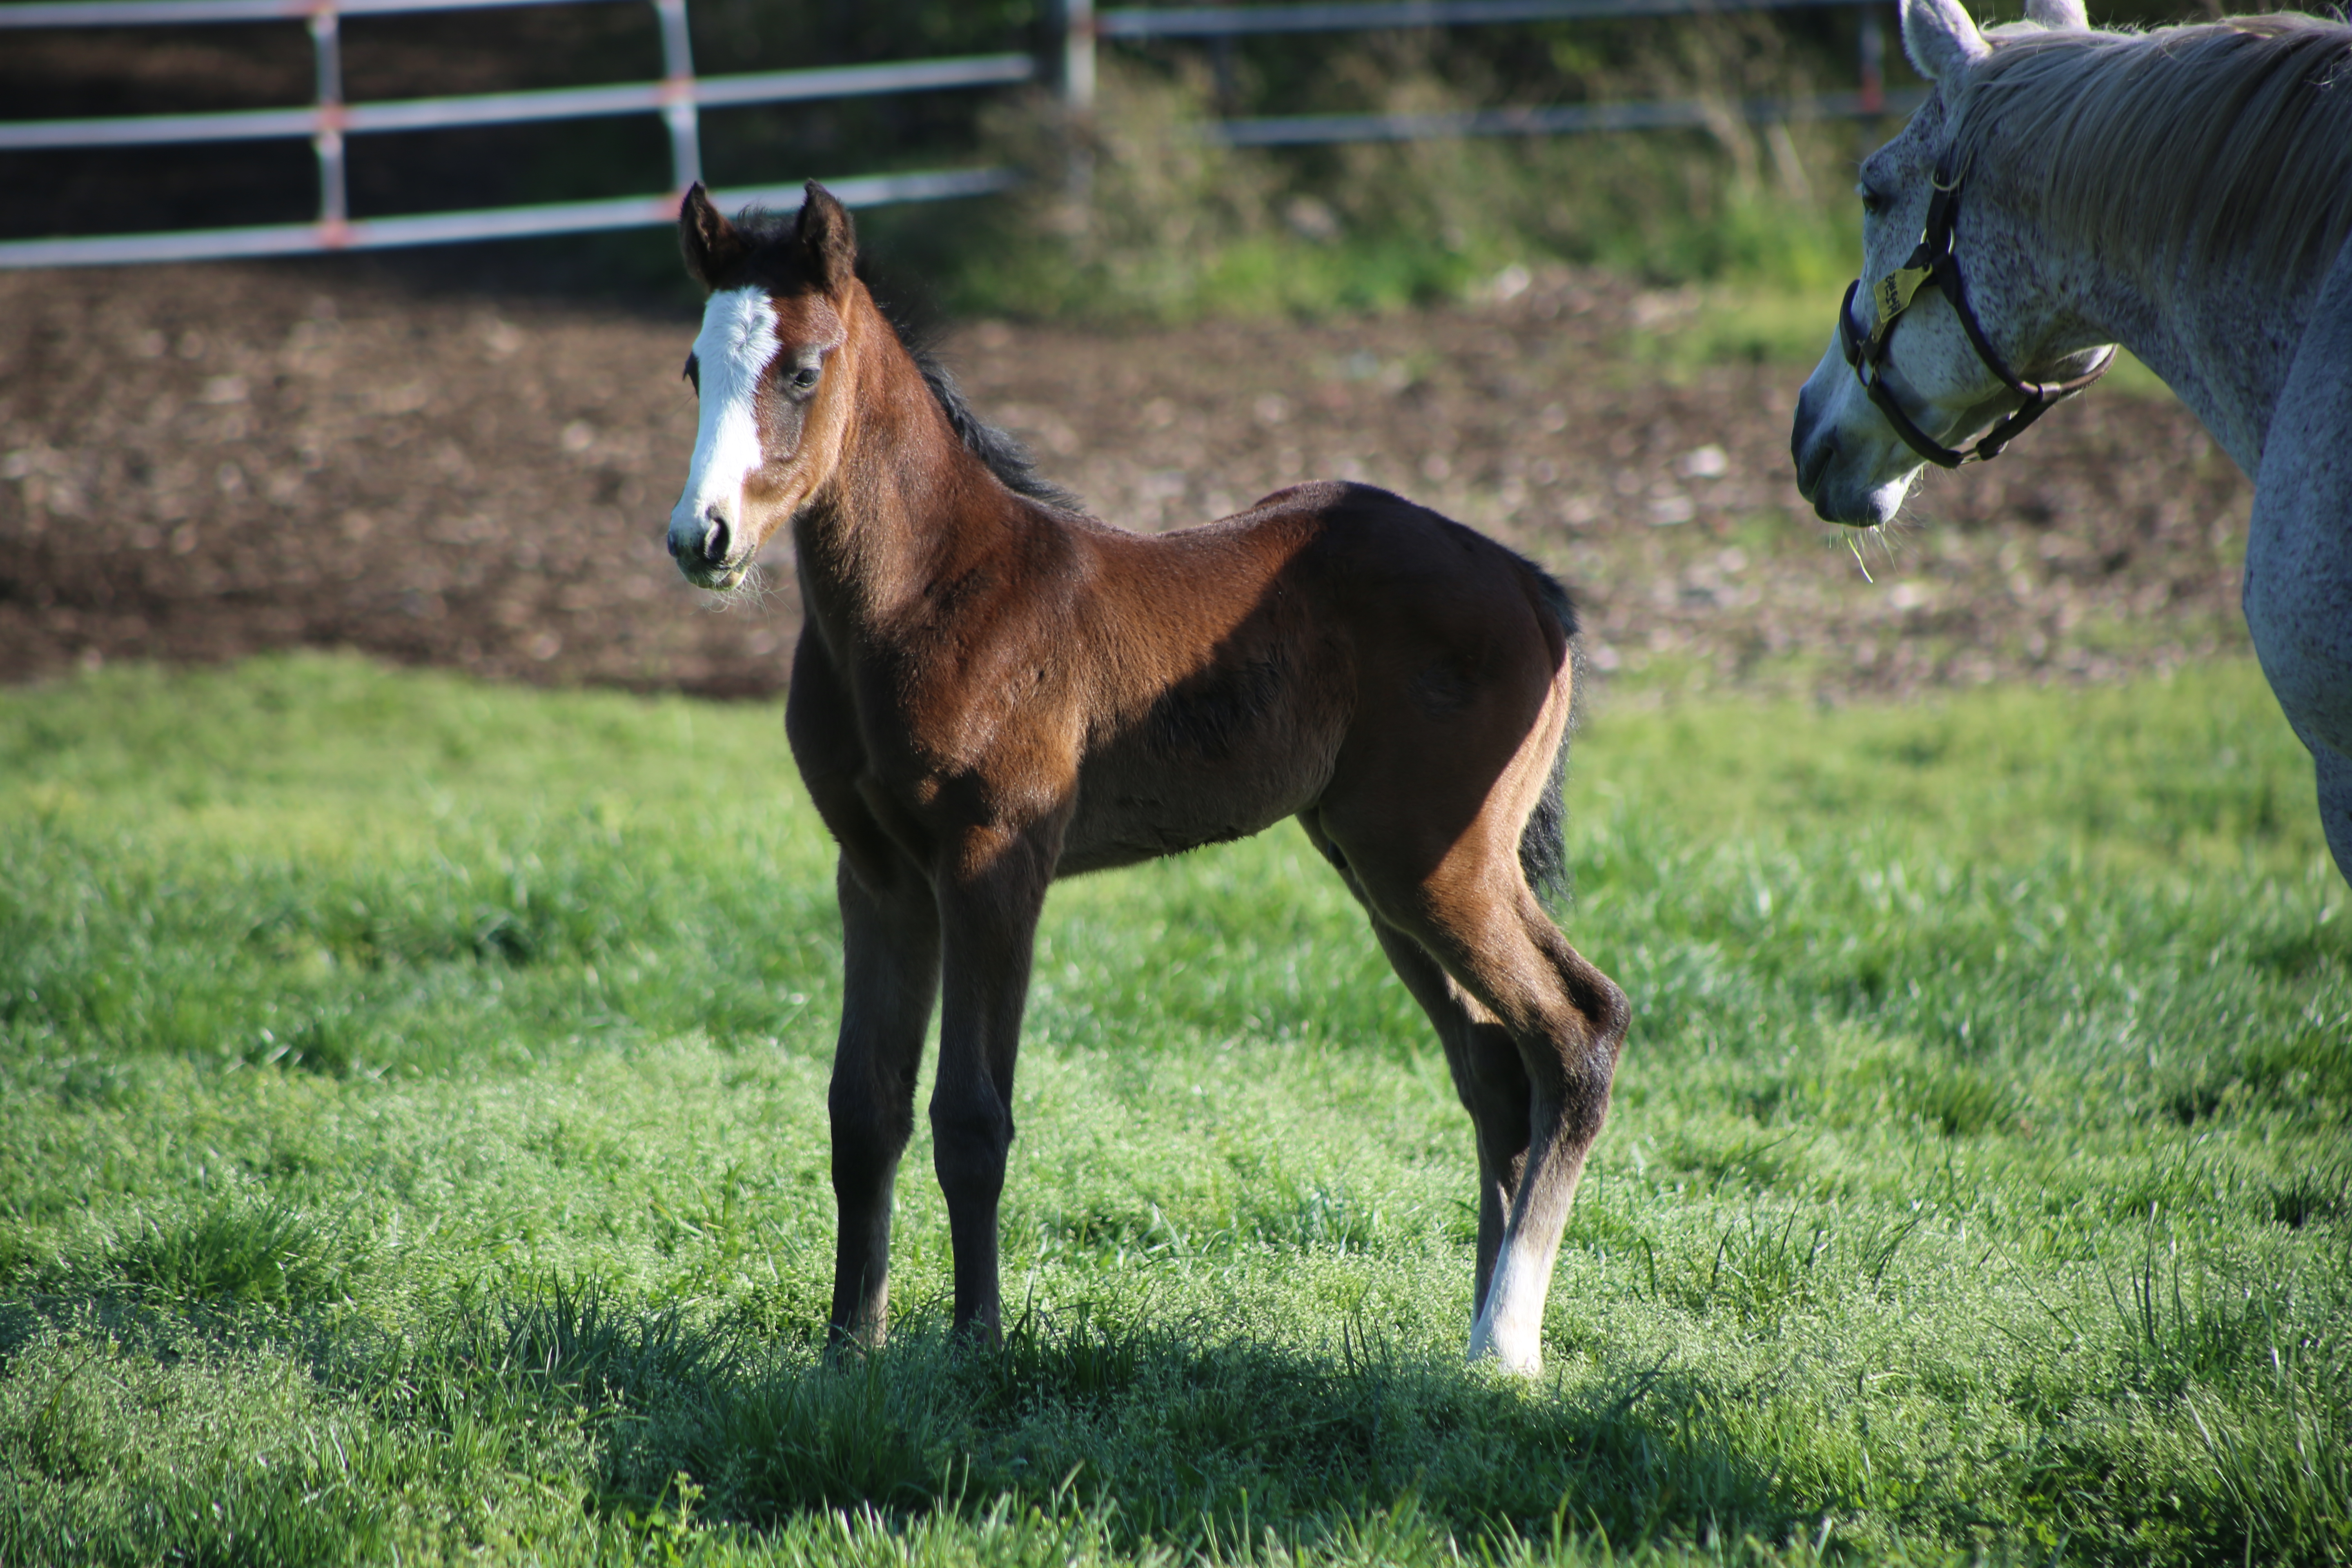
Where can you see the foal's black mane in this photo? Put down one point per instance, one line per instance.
(1007, 458)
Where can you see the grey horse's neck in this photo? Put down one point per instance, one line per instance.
(2226, 352)
(2182, 191)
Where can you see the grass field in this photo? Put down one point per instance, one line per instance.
(411, 1148)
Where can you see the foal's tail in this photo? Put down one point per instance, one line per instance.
(1543, 847)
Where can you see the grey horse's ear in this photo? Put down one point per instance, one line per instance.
(2058, 15)
(1941, 38)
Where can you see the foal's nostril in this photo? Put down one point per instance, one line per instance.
(714, 540)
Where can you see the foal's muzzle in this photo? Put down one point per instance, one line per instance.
(701, 548)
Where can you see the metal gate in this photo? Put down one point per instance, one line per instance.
(329, 122)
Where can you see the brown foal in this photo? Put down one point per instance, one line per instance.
(993, 690)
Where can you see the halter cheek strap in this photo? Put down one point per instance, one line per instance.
(1932, 264)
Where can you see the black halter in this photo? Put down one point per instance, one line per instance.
(1933, 264)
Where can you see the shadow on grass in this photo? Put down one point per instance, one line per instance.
(1191, 1432)
(1200, 1435)
(137, 1429)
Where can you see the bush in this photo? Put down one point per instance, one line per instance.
(1135, 211)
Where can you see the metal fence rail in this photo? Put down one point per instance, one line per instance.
(678, 98)
(1370, 15)
(680, 95)
(517, 107)
(172, 13)
(482, 223)
(1544, 120)
(1084, 28)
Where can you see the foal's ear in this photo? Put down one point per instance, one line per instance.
(712, 247)
(2058, 15)
(1941, 38)
(829, 237)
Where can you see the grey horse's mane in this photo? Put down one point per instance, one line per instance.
(2225, 144)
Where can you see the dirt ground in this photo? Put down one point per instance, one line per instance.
(201, 462)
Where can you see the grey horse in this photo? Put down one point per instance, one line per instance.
(2185, 192)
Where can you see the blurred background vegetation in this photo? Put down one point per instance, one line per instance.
(1174, 226)
(1171, 225)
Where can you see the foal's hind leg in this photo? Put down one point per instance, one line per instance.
(1481, 1057)
(1487, 1076)
(1569, 1022)
(890, 951)
(1507, 975)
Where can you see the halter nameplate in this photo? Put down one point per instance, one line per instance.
(1894, 292)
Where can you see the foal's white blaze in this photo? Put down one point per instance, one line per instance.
(733, 352)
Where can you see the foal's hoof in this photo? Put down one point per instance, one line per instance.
(976, 1336)
(1519, 1354)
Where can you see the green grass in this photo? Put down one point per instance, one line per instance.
(411, 1147)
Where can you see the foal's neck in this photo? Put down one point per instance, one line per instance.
(906, 504)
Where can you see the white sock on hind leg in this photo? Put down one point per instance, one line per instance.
(1510, 1331)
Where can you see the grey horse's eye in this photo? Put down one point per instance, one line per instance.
(1872, 201)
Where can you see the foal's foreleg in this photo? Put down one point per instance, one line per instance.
(890, 953)
(988, 922)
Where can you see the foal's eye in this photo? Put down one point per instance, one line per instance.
(804, 378)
